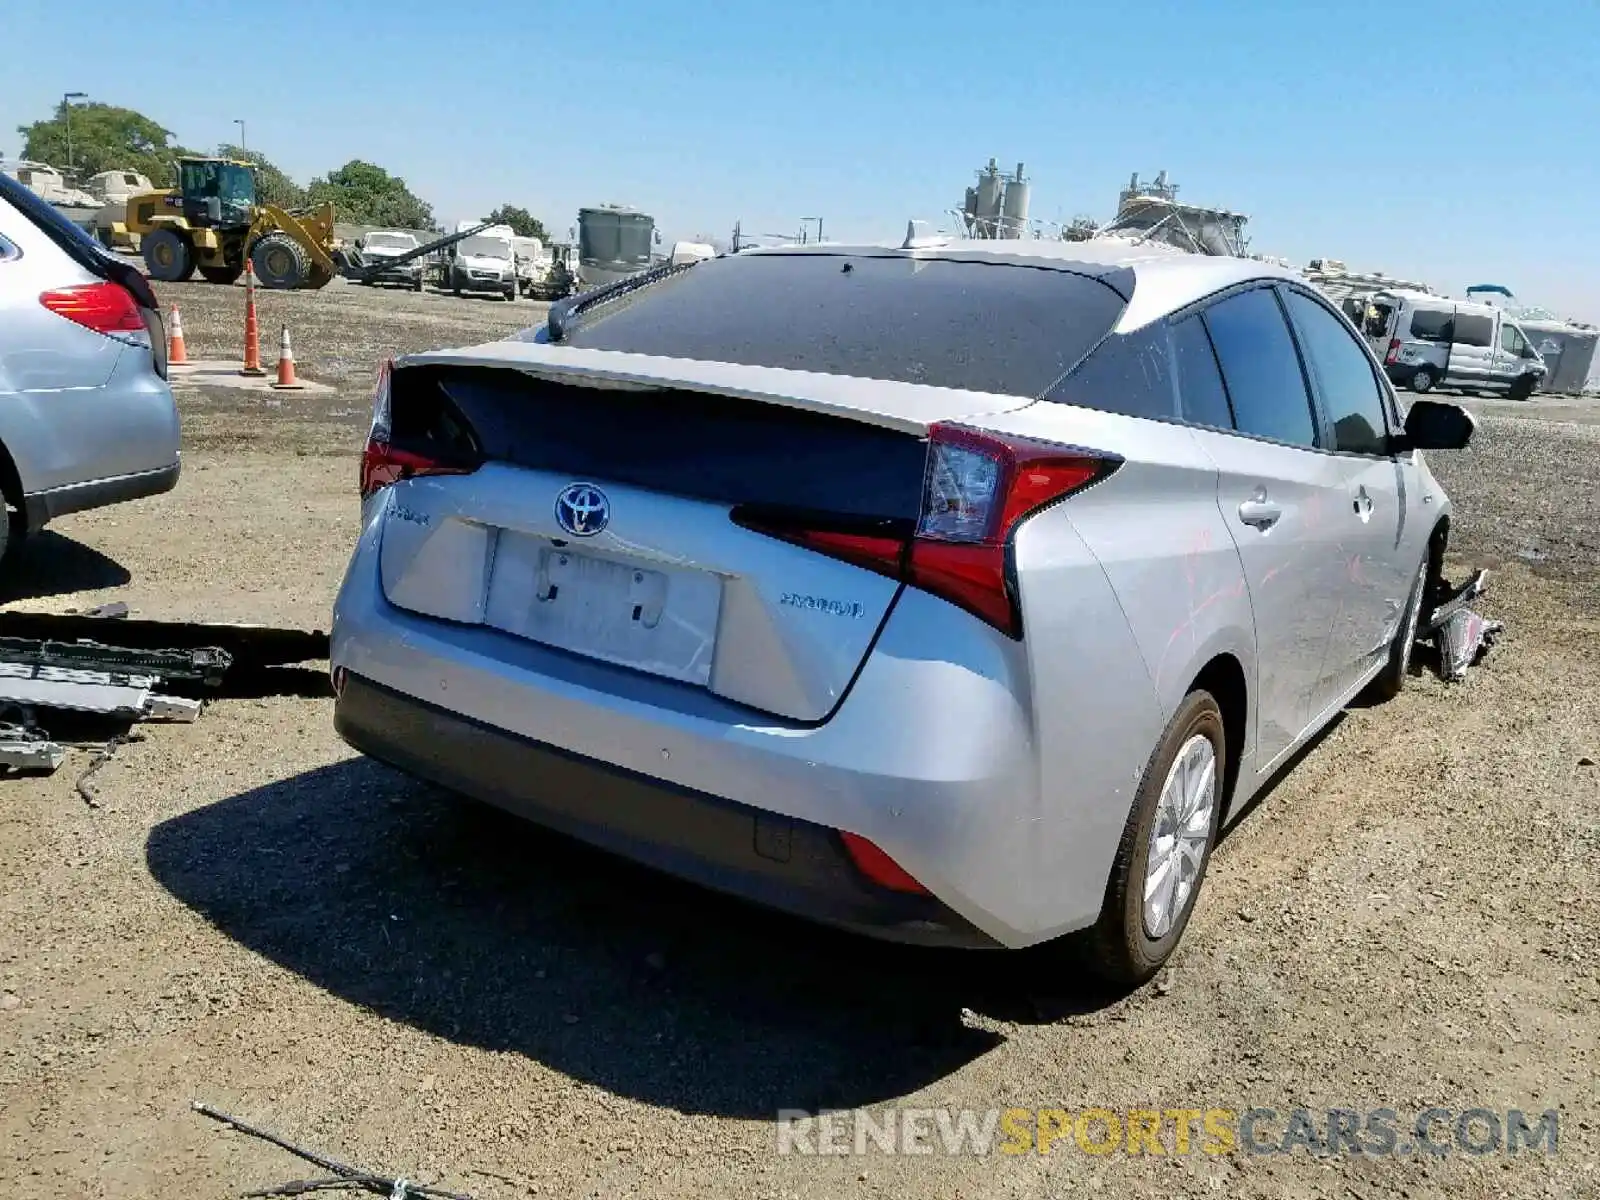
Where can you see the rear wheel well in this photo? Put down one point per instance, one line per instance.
(1224, 678)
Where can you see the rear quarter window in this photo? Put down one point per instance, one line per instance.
(1128, 373)
(980, 326)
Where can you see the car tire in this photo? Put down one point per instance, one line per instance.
(1391, 681)
(167, 256)
(280, 262)
(1422, 380)
(1136, 935)
(416, 284)
(1521, 388)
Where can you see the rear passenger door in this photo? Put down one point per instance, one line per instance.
(1378, 569)
(1277, 494)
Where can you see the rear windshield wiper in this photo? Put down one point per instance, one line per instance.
(565, 313)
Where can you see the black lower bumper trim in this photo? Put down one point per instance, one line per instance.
(792, 865)
(42, 507)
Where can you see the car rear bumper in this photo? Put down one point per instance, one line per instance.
(777, 861)
(930, 756)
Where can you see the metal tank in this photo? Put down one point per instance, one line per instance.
(614, 242)
(1014, 207)
(987, 217)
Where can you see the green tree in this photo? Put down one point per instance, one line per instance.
(523, 223)
(364, 194)
(104, 138)
(272, 185)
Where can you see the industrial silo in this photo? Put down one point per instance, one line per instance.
(1014, 208)
(988, 209)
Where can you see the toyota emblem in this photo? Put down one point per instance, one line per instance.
(582, 509)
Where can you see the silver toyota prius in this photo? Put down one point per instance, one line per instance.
(952, 592)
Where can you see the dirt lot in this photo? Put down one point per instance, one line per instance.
(260, 920)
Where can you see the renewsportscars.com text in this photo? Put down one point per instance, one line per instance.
(1379, 1132)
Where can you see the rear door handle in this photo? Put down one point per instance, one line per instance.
(1260, 513)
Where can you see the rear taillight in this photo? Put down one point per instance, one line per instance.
(383, 463)
(978, 488)
(1393, 354)
(871, 860)
(103, 307)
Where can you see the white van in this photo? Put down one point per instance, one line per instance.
(1429, 341)
(484, 262)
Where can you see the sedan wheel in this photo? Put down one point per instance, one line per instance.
(1166, 844)
(1180, 836)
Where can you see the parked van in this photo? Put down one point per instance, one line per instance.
(484, 262)
(1429, 341)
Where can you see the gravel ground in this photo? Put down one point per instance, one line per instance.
(260, 920)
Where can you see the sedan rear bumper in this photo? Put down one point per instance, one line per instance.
(777, 861)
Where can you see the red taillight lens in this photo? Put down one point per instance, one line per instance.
(877, 866)
(1394, 352)
(103, 307)
(979, 487)
(383, 464)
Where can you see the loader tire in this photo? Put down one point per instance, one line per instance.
(167, 256)
(223, 275)
(280, 262)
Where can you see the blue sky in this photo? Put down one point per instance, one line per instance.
(1450, 142)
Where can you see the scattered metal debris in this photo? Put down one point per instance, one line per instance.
(64, 662)
(344, 1175)
(26, 747)
(206, 665)
(249, 646)
(1461, 635)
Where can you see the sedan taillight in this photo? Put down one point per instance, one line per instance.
(103, 307)
(978, 489)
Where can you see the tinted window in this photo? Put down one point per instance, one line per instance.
(1431, 325)
(1261, 368)
(1129, 373)
(1511, 340)
(1473, 331)
(1202, 398)
(1345, 381)
(982, 326)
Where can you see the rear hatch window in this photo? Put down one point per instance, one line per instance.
(981, 326)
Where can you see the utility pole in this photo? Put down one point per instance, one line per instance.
(239, 121)
(66, 100)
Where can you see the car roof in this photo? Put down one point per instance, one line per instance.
(1164, 278)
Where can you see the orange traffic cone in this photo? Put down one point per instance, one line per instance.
(177, 352)
(252, 333)
(286, 377)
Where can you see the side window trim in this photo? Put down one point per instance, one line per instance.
(8, 249)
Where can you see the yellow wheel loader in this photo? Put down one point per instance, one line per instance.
(212, 223)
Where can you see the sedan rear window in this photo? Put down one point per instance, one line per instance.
(981, 326)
